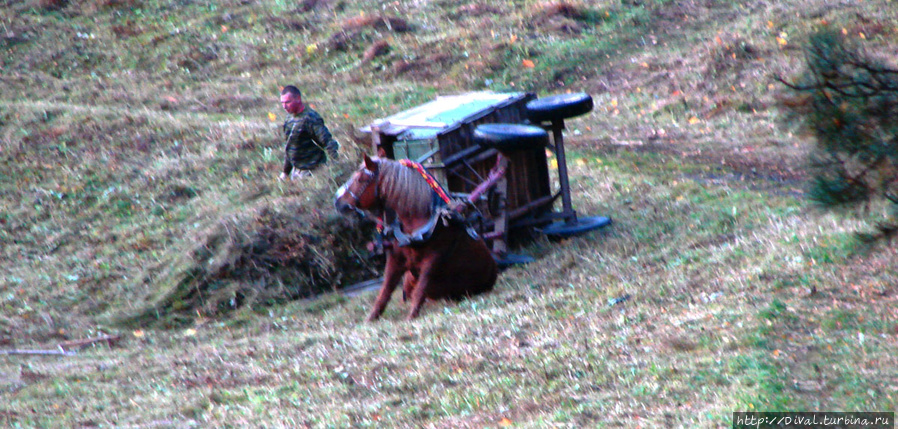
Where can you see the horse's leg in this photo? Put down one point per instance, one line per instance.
(419, 293)
(408, 285)
(392, 275)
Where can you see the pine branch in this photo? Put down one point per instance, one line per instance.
(853, 103)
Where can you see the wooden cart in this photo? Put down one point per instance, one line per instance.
(458, 138)
(439, 135)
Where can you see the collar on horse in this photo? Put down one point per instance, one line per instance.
(439, 210)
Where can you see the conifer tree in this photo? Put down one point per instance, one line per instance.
(850, 106)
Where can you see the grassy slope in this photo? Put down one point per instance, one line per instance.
(741, 295)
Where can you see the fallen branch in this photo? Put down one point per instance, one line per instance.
(58, 352)
(80, 344)
(65, 348)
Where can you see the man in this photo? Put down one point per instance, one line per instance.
(308, 141)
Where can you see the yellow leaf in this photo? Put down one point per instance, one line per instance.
(138, 333)
(514, 38)
(783, 38)
(863, 36)
(224, 29)
(272, 117)
(528, 64)
(311, 49)
(844, 31)
(769, 24)
(554, 163)
(190, 332)
(614, 102)
(581, 161)
(505, 422)
(693, 120)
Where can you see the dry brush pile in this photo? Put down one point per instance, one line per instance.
(271, 250)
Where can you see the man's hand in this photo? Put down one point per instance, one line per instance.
(300, 174)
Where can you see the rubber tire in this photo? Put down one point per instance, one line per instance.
(582, 226)
(511, 137)
(512, 259)
(559, 107)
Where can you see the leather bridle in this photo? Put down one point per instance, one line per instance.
(371, 177)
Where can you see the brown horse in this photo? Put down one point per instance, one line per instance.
(439, 258)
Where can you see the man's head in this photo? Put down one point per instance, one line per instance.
(291, 100)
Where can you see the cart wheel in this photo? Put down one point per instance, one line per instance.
(559, 107)
(581, 226)
(511, 137)
(511, 259)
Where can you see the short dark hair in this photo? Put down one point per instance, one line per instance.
(292, 90)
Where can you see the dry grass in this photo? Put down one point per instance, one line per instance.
(133, 138)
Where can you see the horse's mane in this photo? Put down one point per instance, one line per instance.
(403, 189)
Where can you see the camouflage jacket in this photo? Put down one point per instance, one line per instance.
(308, 141)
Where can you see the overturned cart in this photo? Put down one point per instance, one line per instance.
(490, 149)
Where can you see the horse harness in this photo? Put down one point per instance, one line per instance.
(440, 211)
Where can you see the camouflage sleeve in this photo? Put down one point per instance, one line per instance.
(289, 129)
(323, 136)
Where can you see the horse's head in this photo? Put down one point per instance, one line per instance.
(360, 191)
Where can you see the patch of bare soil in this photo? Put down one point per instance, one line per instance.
(353, 31)
(423, 69)
(376, 49)
(559, 17)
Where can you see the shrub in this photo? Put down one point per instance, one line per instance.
(849, 102)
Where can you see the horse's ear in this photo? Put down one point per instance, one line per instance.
(370, 164)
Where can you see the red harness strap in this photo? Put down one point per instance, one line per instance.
(427, 177)
(430, 180)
